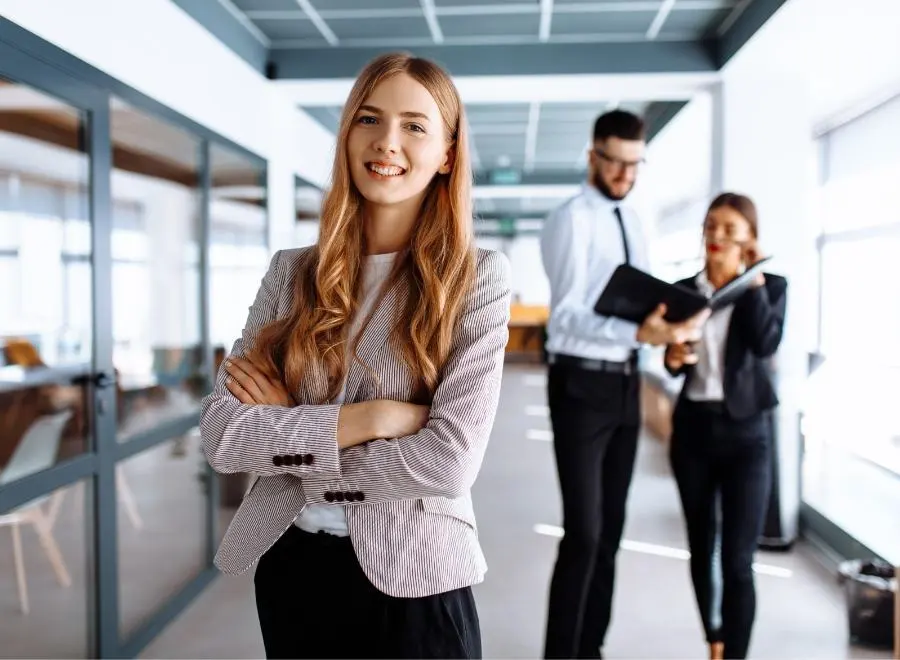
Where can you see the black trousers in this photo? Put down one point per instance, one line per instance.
(595, 418)
(314, 601)
(718, 459)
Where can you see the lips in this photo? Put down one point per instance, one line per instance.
(385, 169)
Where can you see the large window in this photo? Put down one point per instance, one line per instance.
(851, 469)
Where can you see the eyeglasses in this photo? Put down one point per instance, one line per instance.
(618, 162)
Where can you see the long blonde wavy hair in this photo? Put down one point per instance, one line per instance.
(438, 267)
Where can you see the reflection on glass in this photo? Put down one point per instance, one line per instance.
(45, 275)
(238, 250)
(44, 581)
(162, 526)
(155, 271)
(238, 258)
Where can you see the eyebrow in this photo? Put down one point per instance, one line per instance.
(411, 115)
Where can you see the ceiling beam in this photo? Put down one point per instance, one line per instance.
(507, 60)
(746, 18)
(227, 24)
(599, 88)
(660, 113)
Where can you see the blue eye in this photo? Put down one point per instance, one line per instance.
(367, 119)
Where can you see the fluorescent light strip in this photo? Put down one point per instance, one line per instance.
(659, 20)
(431, 18)
(540, 435)
(546, 19)
(319, 22)
(531, 135)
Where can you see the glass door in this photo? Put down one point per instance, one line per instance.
(54, 388)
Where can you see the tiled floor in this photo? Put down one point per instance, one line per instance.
(800, 607)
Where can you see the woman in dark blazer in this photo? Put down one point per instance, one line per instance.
(721, 448)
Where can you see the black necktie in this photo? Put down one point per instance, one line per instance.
(624, 235)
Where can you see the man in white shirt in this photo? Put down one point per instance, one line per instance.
(593, 384)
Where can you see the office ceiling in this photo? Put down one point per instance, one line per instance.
(392, 23)
(332, 39)
(543, 142)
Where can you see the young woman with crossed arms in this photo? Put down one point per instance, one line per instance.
(363, 390)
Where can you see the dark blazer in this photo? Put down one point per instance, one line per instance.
(754, 335)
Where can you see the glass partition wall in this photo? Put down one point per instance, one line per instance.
(132, 241)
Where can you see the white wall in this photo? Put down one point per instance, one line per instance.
(156, 48)
(846, 53)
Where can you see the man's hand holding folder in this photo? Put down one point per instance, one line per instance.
(656, 331)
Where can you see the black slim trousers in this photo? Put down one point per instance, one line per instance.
(314, 601)
(718, 459)
(595, 418)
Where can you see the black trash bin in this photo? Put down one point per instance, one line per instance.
(869, 589)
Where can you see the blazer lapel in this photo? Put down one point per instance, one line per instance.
(372, 339)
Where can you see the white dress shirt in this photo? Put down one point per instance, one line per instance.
(581, 246)
(376, 269)
(707, 383)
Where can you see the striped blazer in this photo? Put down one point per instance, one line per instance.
(408, 501)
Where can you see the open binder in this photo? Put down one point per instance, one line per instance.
(632, 294)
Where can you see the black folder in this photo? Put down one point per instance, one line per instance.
(632, 294)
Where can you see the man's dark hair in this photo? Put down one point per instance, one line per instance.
(619, 123)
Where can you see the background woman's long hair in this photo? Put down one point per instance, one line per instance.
(439, 266)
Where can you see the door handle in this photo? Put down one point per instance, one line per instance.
(100, 380)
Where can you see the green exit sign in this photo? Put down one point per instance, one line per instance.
(505, 177)
(507, 226)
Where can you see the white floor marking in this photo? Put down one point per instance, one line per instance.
(664, 551)
(537, 411)
(539, 434)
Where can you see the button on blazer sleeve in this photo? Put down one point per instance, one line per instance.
(443, 458)
(267, 440)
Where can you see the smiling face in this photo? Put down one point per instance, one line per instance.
(397, 143)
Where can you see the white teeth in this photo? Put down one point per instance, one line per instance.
(385, 170)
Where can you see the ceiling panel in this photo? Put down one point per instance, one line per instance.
(498, 133)
(630, 22)
(698, 23)
(497, 112)
(383, 28)
(362, 5)
(468, 26)
(470, 3)
(265, 5)
(290, 29)
(571, 111)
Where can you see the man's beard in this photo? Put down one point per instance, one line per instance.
(600, 185)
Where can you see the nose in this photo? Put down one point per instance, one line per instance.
(387, 140)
